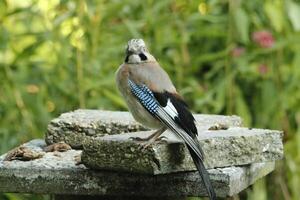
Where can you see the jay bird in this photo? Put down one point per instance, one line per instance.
(154, 102)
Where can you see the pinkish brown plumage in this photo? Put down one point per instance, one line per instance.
(154, 102)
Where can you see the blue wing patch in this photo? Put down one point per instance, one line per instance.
(145, 96)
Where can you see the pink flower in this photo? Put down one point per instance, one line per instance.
(264, 38)
(238, 51)
(263, 69)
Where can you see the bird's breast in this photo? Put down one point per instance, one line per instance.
(139, 113)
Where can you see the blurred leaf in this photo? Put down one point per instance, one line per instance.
(3, 8)
(259, 190)
(242, 108)
(274, 11)
(242, 24)
(115, 98)
(293, 11)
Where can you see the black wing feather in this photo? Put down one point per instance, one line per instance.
(185, 118)
(186, 121)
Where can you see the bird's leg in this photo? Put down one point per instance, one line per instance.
(154, 135)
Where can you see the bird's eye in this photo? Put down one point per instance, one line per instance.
(143, 56)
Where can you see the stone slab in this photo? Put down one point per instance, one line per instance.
(222, 148)
(74, 127)
(57, 173)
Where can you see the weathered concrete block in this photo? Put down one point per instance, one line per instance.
(57, 173)
(222, 148)
(74, 127)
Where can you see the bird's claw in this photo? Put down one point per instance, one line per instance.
(148, 143)
(162, 140)
(142, 142)
(143, 146)
(138, 139)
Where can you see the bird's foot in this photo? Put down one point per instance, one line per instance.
(138, 139)
(143, 146)
(148, 143)
(143, 142)
(162, 140)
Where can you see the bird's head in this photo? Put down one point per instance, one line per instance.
(137, 52)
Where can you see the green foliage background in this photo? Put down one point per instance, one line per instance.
(59, 55)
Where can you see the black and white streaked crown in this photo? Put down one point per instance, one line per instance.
(136, 46)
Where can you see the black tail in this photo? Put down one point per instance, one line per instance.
(204, 175)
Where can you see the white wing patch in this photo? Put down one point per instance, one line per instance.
(170, 109)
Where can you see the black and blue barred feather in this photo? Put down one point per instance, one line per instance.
(145, 96)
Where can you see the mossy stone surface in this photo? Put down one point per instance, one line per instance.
(222, 148)
(76, 126)
(59, 173)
